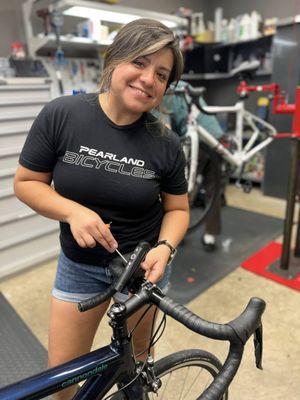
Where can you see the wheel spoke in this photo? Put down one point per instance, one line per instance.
(187, 372)
(194, 381)
(185, 375)
(165, 385)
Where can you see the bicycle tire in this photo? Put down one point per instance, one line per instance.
(201, 361)
(199, 213)
(180, 364)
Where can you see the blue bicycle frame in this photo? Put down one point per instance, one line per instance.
(101, 369)
(116, 365)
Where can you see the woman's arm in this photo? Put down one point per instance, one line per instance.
(176, 218)
(174, 226)
(33, 188)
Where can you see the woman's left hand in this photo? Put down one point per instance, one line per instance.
(155, 263)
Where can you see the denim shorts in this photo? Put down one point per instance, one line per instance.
(75, 282)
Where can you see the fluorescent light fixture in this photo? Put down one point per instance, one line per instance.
(109, 16)
(103, 15)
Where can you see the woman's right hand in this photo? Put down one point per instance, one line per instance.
(88, 229)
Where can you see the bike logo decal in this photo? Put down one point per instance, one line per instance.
(84, 376)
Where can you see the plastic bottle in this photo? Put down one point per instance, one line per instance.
(218, 23)
(255, 24)
(237, 34)
(245, 27)
(200, 23)
(224, 35)
(231, 30)
(198, 26)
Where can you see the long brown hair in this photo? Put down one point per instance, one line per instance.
(139, 38)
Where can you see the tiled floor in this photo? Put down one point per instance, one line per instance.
(29, 293)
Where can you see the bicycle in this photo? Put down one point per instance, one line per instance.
(236, 151)
(115, 365)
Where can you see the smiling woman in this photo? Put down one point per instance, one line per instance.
(139, 66)
(137, 86)
(117, 182)
(137, 40)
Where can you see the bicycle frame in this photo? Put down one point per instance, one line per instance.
(244, 152)
(193, 136)
(101, 369)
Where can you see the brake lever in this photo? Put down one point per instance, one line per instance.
(132, 266)
(258, 346)
(135, 281)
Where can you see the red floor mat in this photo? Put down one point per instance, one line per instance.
(261, 261)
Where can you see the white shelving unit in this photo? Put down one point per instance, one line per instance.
(26, 238)
(49, 42)
(37, 42)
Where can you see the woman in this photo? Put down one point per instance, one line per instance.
(118, 178)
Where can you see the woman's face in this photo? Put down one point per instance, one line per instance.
(139, 86)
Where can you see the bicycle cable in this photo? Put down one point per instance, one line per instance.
(163, 323)
(144, 363)
(140, 319)
(153, 341)
(127, 384)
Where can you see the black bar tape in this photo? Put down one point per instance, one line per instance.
(220, 384)
(96, 300)
(195, 323)
(250, 319)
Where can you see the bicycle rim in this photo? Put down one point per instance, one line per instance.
(185, 375)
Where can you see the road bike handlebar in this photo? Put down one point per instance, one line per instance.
(124, 277)
(237, 331)
(195, 93)
(243, 326)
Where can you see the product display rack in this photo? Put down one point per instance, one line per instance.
(39, 44)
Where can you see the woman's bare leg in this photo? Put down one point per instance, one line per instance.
(71, 334)
(142, 334)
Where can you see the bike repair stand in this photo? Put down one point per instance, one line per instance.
(276, 261)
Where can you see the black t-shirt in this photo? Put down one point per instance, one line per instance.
(117, 171)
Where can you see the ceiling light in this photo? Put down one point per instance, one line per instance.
(109, 16)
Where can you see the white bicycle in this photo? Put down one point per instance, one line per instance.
(238, 150)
